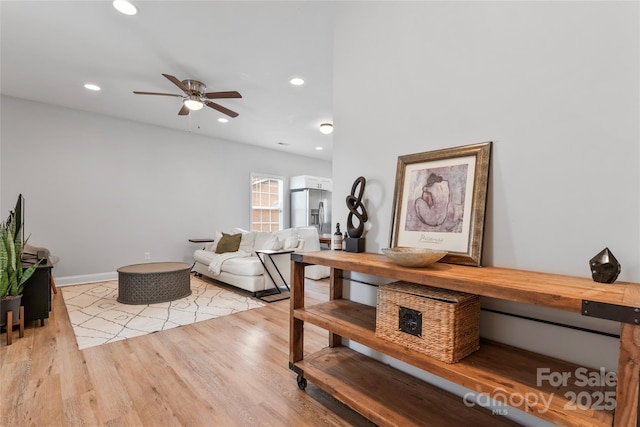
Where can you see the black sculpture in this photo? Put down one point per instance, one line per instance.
(604, 267)
(353, 204)
(355, 241)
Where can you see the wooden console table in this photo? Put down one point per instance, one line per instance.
(391, 398)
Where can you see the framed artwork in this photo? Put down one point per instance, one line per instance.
(440, 200)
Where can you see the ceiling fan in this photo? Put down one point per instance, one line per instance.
(195, 96)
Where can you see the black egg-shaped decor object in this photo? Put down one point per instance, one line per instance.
(604, 267)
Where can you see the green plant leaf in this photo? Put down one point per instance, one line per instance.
(18, 217)
(12, 276)
(25, 276)
(4, 284)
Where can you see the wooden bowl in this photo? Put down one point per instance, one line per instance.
(413, 257)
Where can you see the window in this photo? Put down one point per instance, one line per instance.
(266, 203)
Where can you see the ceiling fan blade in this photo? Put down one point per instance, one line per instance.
(157, 93)
(221, 109)
(178, 83)
(184, 111)
(220, 95)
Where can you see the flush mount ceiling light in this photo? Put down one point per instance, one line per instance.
(91, 86)
(193, 103)
(326, 128)
(296, 81)
(123, 6)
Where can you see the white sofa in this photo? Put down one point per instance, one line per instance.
(244, 270)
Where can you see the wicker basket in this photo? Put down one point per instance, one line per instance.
(440, 323)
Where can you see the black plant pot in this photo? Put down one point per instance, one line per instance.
(7, 304)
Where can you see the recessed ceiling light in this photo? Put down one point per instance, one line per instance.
(296, 81)
(326, 128)
(319, 148)
(123, 6)
(91, 86)
(223, 120)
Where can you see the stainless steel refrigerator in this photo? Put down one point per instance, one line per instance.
(311, 206)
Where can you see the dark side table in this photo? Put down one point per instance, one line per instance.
(202, 240)
(268, 253)
(36, 297)
(205, 240)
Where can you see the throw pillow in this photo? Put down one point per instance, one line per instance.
(211, 246)
(309, 236)
(229, 243)
(288, 238)
(272, 243)
(292, 239)
(247, 242)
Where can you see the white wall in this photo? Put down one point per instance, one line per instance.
(101, 191)
(555, 85)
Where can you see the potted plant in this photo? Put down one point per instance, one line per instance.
(12, 276)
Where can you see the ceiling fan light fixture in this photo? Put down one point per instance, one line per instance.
(195, 97)
(193, 103)
(123, 6)
(223, 120)
(326, 128)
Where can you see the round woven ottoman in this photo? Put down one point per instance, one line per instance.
(153, 282)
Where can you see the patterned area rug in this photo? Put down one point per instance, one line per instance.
(98, 318)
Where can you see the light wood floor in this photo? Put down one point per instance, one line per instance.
(230, 371)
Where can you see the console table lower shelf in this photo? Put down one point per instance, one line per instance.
(390, 397)
(484, 371)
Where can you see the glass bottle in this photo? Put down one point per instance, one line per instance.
(337, 238)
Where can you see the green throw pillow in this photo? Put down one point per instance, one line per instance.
(228, 243)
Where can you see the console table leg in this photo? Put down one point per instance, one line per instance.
(335, 292)
(626, 413)
(296, 326)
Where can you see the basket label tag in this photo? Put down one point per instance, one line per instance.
(410, 321)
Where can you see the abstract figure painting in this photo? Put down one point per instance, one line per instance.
(440, 200)
(440, 204)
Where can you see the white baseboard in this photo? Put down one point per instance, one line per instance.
(86, 278)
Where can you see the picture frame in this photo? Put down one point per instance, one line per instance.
(440, 200)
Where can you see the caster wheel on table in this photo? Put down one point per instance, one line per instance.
(302, 382)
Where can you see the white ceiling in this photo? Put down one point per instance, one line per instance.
(50, 49)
